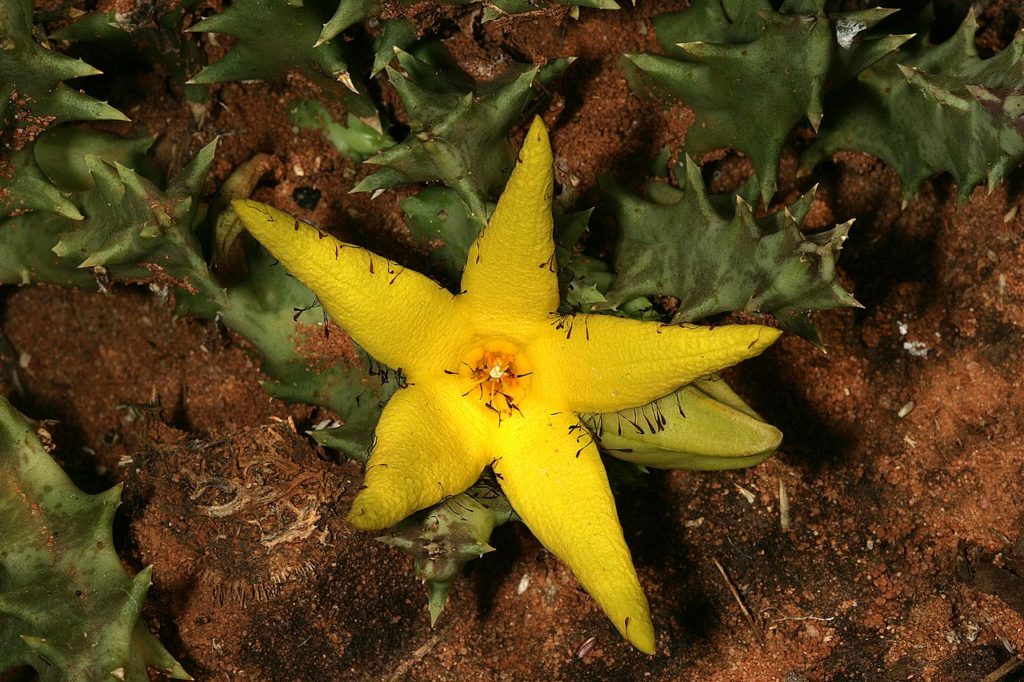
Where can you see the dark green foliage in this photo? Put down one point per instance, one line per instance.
(459, 128)
(146, 35)
(397, 33)
(354, 138)
(68, 609)
(132, 229)
(751, 73)
(26, 252)
(33, 95)
(61, 154)
(934, 109)
(53, 166)
(26, 188)
(351, 12)
(274, 37)
(716, 261)
(348, 13)
(446, 537)
(263, 309)
(437, 215)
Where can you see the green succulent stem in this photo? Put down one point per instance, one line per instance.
(68, 609)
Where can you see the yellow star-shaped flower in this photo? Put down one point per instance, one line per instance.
(496, 378)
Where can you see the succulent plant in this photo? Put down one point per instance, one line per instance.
(144, 35)
(751, 73)
(459, 129)
(33, 95)
(446, 537)
(348, 13)
(395, 33)
(61, 163)
(137, 231)
(351, 12)
(703, 426)
(33, 98)
(275, 37)
(934, 108)
(716, 260)
(354, 139)
(68, 609)
(26, 253)
(24, 187)
(53, 167)
(132, 229)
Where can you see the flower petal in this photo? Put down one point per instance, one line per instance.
(510, 273)
(429, 445)
(400, 317)
(600, 363)
(552, 474)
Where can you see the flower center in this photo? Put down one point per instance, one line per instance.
(496, 375)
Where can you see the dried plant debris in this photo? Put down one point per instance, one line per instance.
(68, 609)
(262, 488)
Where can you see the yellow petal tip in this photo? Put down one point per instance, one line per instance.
(766, 336)
(257, 217)
(641, 636)
(366, 513)
(536, 149)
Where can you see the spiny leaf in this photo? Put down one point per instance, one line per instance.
(351, 12)
(444, 538)
(934, 109)
(273, 37)
(24, 187)
(354, 138)
(397, 34)
(26, 252)
(437, 215)
(43, 175)
(716, 263)
(61, 154)
(459, 129)
(751, 73)
(348, 13)
(33, 95)
(68, 609)
(141, 35)
(276, 313)
(132, 226)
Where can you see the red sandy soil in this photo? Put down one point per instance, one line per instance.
(898, 557)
